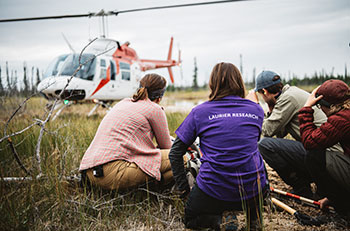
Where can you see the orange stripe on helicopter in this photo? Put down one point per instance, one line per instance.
(103, 81)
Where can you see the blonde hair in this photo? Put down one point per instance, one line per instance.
(334, 108)
(148, 84)
(225, 79)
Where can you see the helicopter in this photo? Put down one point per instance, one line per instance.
(111, 76)
(102, 79)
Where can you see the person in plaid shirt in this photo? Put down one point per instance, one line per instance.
(122, 154)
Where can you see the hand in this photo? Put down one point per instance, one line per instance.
(183, 194)
(252, 96)
(312, 100)
(324, 202)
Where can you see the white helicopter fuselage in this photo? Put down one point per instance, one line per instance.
(113, 75)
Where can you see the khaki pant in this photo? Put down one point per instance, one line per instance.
(121, 174)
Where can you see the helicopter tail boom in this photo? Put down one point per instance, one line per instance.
(149, 64)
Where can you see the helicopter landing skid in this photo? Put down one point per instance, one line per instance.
(61, 106)
(103, 104)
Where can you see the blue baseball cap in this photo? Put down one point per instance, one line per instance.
(265, 79)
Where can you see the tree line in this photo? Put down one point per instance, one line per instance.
(12, 85)
(317, 78)
(32, 77)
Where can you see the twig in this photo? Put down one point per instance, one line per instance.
(156, 194)
(17, 133)
(164, 222)
(17, 157)
(74, 178)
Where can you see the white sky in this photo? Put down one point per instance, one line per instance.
(286, 36)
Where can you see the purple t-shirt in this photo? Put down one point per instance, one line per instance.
(229, 129)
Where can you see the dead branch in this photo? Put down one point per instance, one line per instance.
(72, 179)
(156, 194)
(43, 124)
(17, 157)
(17, 133)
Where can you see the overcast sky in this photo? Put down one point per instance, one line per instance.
(286, 36)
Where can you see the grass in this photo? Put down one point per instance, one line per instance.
(53, 204)
(188, 94)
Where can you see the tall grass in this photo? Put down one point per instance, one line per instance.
(53, 204)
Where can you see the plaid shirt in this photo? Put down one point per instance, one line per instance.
(126, 133)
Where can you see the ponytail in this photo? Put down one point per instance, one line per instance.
(152, 86)
(141, 94)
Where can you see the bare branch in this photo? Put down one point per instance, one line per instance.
(17, 157)
(156, 194)
(17, 133)
(82, 51)
(37, 152)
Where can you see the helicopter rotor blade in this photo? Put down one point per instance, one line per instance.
(47, 17)
(176, 6)
(108, 13)
(68, 43)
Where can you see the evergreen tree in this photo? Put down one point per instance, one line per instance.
(8, 78)
(25, 80)
(37, 77)
(14, 82)
(32, 81)
(195, 83)
(1, 86)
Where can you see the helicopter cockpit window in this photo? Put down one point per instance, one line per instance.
(103, 73)
(103, 63)
(55, 66)
(126, 75)
(87, 71)
(125, 66)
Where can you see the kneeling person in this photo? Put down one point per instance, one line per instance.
(232, 175)
(285, 156)
(122, 154)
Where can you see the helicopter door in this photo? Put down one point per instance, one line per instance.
(125, 80)
(114, 84)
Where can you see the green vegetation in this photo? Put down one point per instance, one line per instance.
(54, 204)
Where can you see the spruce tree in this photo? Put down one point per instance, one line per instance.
(1, 86)
(195, 83)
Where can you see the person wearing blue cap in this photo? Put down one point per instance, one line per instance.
(285, 156)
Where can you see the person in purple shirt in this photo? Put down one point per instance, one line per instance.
(232, 174)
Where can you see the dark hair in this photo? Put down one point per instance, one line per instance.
(225, 79)
(274, 88)
(151, 86)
